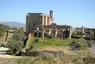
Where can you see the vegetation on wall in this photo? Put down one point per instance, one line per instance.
(91, 35)
(77, 35)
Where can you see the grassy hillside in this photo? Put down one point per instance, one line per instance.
(55, 43)
(52, 45)
(3, 32)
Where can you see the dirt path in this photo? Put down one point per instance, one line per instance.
(4, 55)
(66, 50)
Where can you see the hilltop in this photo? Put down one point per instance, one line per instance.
(13, 24)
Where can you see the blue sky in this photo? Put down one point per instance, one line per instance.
(76, 13)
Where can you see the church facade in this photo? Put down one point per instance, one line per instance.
(33, 19)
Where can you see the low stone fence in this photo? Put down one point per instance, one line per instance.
(45, 52)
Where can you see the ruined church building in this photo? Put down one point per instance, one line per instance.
(45, 23)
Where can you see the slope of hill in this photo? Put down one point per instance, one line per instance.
(13, 24)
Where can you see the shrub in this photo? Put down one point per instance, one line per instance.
(18, 35)
(86, 60)
(15, 46)
(16, 43)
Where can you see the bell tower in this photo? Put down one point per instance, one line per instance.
(51, 16)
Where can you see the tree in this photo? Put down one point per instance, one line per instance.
(18, 35)
(16, 44)
(3, 29)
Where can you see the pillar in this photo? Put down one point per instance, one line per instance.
(46, 19)
(70, 31)
(82, 29)
(56, 33)
(42, 19)
(49, 32)
(43, 34)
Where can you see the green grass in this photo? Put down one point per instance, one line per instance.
(51, 42)
(54, 42)
(57, 42)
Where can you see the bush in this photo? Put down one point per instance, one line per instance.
(18, 35)
(89, 60)
(82, 45)
(15, 46)
(85, 60)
